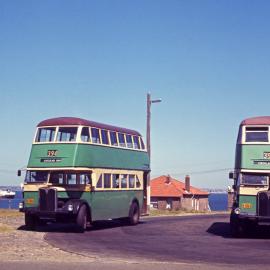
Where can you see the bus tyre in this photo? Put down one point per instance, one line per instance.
(134, 214)
(81, 220)
(236, 228)
(30, 221)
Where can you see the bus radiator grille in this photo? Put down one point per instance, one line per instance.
(47, 199)
(263, 203)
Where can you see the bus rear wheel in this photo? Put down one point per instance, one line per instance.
(134, 214)
(30, 221)
(81, 219)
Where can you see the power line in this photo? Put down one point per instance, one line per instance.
(204, 171)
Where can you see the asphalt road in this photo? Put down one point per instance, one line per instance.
(197, 239)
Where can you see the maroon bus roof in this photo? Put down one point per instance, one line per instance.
(70, 121)
(260, 120)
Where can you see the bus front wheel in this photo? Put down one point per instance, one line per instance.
(134, 214)
(236, 227)
(81, 220)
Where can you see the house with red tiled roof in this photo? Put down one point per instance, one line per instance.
(169, 193)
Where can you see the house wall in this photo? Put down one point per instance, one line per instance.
(197, 202)
(163, 203)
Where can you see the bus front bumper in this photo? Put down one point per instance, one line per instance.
(261, 220)
(59, 215)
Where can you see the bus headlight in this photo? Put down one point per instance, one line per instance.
(70, 207)
(21, 205)
(237, 211)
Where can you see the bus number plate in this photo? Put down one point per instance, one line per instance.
(246, 205)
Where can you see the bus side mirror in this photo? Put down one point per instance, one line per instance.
(232, 175)
(19, 173)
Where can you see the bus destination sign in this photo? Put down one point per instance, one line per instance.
(264, 161)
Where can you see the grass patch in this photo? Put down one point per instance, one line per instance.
(9, 213)
(5, 228)
(157, 212)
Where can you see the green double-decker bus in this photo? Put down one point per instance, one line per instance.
(82, 171)
(251, 204)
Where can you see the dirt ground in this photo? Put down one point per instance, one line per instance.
(17, 244)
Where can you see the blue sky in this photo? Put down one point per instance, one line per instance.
(207, 60)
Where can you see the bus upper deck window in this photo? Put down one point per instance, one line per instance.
(256, 134)
(136, 142)
(95, 135)
(85, 135)
(113, 138)
(45, 134)
(129, 141)
(142, 143)
(121, 139)
(67, 134)
(104, 136)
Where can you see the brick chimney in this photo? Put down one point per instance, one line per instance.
(187, 183)
(168, 179)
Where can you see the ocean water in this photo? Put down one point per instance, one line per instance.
(11, 203)
(217, 201)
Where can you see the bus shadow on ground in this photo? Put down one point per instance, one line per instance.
(72, 228)
(223, 229)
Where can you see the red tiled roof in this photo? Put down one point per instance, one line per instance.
(161, 187)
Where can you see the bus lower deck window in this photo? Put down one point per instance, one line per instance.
(36, 176)
(71, 179)
(115, 180)
(124, 181)
(131, 181)
(107, 180)
(138, 183)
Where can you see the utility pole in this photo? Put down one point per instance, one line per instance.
(148, 142)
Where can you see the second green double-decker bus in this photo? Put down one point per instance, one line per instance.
(81, 171)
(251, 204)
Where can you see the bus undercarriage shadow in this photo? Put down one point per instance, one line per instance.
(72, 228)
(223, 229)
